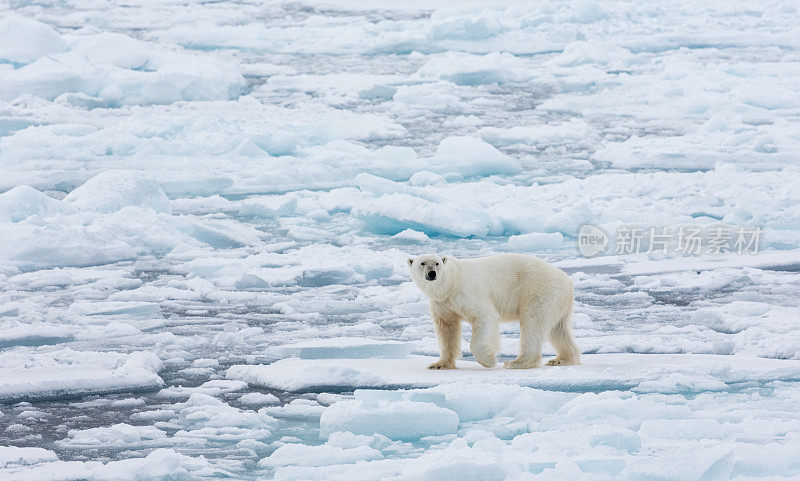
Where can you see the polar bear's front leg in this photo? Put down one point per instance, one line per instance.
(485, 343)
(448, 333)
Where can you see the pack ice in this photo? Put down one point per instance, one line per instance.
(206, 207)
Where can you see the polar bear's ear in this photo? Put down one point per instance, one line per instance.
(444, 259)
(410, 261)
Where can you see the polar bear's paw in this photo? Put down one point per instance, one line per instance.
(520, 364)
(485, 360)
(557, 361)
(442, 365)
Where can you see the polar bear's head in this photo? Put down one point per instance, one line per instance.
(428, 273)
(427, 266)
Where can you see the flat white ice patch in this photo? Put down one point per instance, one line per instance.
(161, 464)
(298, 409)
(694, 462)
(14, 333)
(598, 372)
(573, 131)
(302, 455)
(217, 387)
(203, 416)
(466, 69)
(464, 464)
(406, 420)
(343, 347)
(108, 308)
(392, 213)
(11, 456)
(117, 435)
(258, 399)
(45, 373)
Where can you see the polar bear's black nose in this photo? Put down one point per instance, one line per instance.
(431, 275)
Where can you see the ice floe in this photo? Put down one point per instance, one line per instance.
(343, 347)
(64, 372)
(655, 372)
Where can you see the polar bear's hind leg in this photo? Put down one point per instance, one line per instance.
(563, 341)
(531, 337)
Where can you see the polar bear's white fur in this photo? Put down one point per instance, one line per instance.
(491, 290)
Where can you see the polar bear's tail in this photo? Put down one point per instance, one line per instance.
(563, 340)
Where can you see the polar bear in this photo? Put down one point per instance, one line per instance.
(490, 290)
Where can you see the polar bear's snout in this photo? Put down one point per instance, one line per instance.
(431, 275)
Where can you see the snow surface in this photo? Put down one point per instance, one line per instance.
(28, 375)
(655, 372)
(206, 208)
(343, 347)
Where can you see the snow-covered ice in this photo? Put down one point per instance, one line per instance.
(27, 374)
(343, 347)
(658, 372)
(206, 208)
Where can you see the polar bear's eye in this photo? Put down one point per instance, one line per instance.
(423, 263)
(437, 263)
